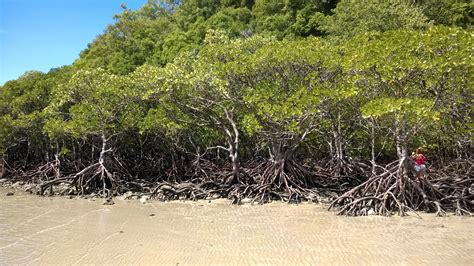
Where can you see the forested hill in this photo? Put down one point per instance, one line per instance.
(263, 99)
(157, 33)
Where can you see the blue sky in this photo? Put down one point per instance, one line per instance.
(43, 34)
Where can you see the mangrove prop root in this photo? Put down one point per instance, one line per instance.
(395, 191)
(354, 186)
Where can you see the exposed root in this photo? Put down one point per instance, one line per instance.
(394, 191)
(353, 186)
(93, 178)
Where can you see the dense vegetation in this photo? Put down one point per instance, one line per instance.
(264, 99)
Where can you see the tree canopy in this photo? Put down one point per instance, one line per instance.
(263, 90)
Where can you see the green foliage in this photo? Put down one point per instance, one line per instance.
(22, 102)
(409, 75)
(93, 102)
(233, 20)
(161, 116)
(412, 107)
(136, 38)
(449, 12)
(355, 17)
(288, 86)
(189, 71)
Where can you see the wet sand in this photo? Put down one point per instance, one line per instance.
(39, 230)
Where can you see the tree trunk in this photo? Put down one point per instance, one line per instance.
(103, 150)
(233, 142)
(2, 166)
(372, 144)
(401, 139)
(103, 173)
(337, 139)
(234, 156)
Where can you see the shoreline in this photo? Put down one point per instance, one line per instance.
(63, 192)
(28, 189)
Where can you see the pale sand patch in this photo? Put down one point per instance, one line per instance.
(39, 230)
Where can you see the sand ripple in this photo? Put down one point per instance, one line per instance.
(37, 230)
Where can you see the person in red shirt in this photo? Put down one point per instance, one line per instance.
(420, 162)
